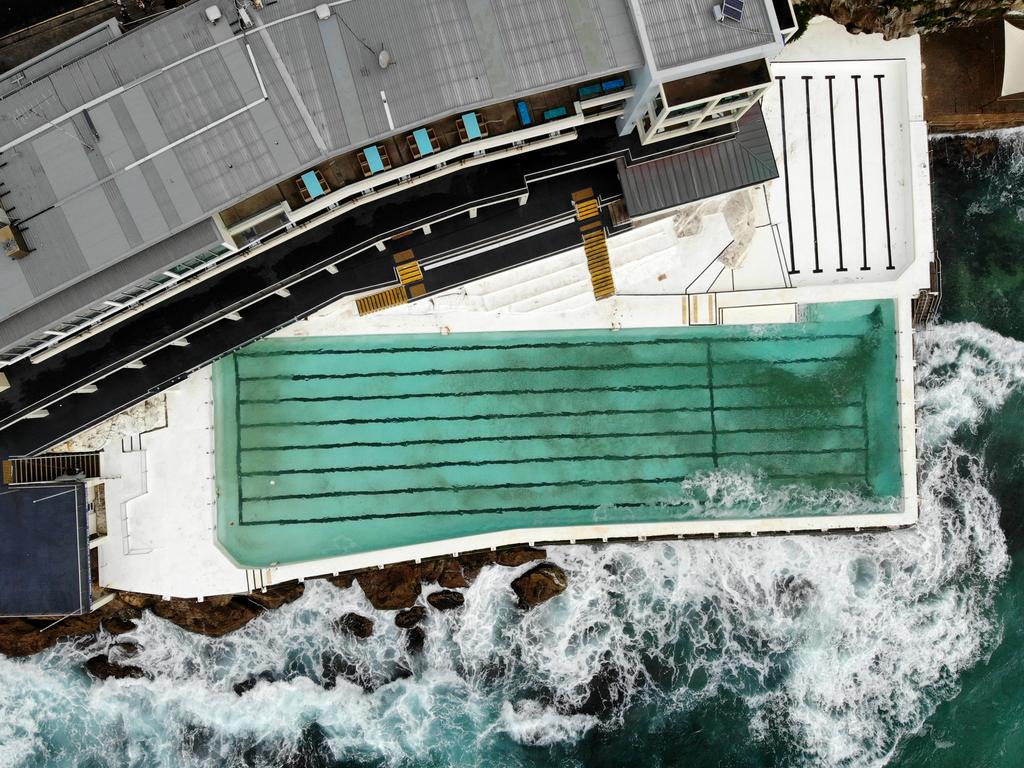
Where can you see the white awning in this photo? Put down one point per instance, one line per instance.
(1013, 59)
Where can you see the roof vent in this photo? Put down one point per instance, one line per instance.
(384, 59)
(213, 14)
(323, 12)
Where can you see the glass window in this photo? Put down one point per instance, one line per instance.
(687, 109)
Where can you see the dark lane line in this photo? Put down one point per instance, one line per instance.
(885, 171)
(835, 170)
(785, 170)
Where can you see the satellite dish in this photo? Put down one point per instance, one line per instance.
(384, 59)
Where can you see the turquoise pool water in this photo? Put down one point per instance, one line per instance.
(331, 446)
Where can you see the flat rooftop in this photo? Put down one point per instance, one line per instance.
(158, 129)
(684, 32)
(335, 446)
(44, 550)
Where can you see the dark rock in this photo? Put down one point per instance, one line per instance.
(102, 668)
(342, 580)
(431, 570)
(539, 584)
(515, 556)
(473, 562)
(250, 682)
(354, 624)
(138, 601)
(452, 577)
(391, 588)
(410, 617)
(118, 626)
(336, 666)
(126, 649)
(446, 599)
(414, 640)
(278, 595)
(215, 617)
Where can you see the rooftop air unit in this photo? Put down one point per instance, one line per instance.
(213, 14)
(323, 12)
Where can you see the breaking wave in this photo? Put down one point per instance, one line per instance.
(836, 647)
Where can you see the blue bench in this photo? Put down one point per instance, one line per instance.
(613, 85)
(524, 114)
(555, 112)
(590, 91)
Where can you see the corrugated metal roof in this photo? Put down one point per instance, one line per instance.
(685, 31)
(109, 282)
(181, 79)
(679, 179)
(50, 61)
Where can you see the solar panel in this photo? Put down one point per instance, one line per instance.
(733, 9)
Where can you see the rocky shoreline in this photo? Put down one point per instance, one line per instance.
(395, 588)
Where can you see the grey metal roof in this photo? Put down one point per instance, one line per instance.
(682, 32)
(59, 56)
(668, 182)
(109, 282)
(182, 96)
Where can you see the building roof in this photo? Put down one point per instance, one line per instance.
(683, 178)
(680, 33)
(157, 129)
(44, 550)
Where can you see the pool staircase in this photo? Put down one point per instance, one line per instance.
(588, 214)
(51, 467)
(410, 278)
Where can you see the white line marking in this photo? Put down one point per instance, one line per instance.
(192, 135)
(54, 496)
(387, 110)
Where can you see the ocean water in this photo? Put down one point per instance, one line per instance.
(902, 648)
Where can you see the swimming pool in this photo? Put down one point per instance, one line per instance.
(339, 445)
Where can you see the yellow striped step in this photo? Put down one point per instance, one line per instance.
(587, 210)
(410, 272)
(375, 302)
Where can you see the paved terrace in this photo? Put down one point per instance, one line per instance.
(349, 241)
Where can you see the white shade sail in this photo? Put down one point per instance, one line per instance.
(1013, 59)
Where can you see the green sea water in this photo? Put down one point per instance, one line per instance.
(978, 203)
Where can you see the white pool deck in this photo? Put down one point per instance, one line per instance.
(160, 492)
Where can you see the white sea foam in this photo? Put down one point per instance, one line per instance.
(839, 646)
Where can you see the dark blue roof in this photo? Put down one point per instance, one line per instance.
(44, 550)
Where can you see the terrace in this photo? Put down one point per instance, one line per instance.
(531, 122)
